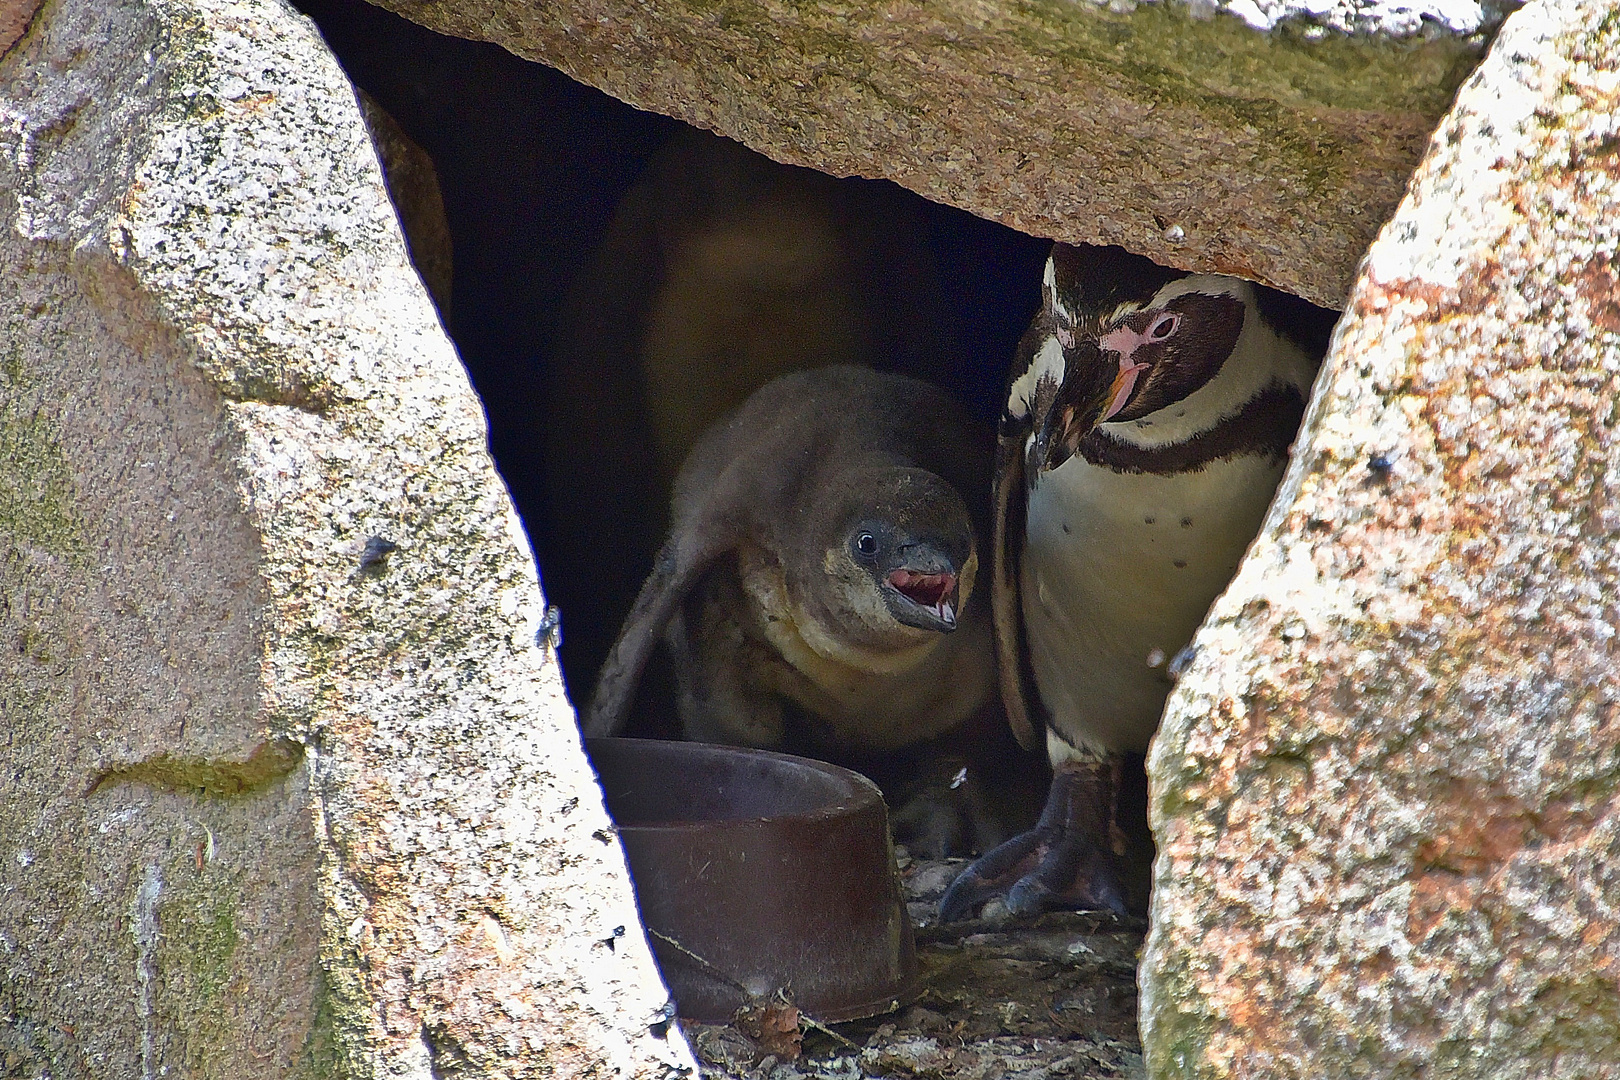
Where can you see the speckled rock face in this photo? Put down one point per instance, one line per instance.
(1386, 791)
(413, 187)
(288, 787)
(1250, 137)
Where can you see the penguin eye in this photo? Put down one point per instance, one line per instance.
(866, 544)
(1164, 326)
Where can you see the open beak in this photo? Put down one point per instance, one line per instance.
(923, 586)
(934, 593)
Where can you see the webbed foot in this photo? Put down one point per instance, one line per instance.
(1069, 860)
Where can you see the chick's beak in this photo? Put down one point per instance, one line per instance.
(936, 592)
(925, 585)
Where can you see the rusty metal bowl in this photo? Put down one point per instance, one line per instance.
(760, 873)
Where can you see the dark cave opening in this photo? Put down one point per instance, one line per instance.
(585, 233)
(533, 166)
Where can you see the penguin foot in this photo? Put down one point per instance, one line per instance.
(1068, 861)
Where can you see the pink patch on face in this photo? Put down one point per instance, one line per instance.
(1124, 341)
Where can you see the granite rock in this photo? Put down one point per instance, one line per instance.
(1387, 791)
(1180, 131)
(289, 786)
(413, 187)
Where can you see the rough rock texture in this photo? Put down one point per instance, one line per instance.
(1178, 132)
(1386, 791)
(1393, 17)
(14, 16)
(289, 787)
(413, 187)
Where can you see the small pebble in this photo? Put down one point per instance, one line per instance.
(931, 881)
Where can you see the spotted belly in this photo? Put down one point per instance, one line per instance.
(1117, 573)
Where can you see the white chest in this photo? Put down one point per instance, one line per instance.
(1119, 569)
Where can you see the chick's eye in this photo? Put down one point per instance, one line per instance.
(1163, 327)
(866, 544)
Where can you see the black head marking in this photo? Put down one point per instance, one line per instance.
(1204, 333)
(1265, 426)
(1302, 322)
(1098, 279)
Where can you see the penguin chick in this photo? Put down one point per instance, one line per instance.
(1147, 423)
(720, 271)
(816, 588)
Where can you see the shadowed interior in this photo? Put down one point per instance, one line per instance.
(532, 166)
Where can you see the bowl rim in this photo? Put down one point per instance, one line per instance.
(863, 795)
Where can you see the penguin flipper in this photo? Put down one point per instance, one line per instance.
(676, 569)
(1008, 503)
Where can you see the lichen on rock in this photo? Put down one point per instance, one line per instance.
(265, 800)
(1177, 130)
(1385, 791)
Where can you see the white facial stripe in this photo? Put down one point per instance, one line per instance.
(1129, 307)
(1206, 284)
(1046, 363)
(1049, 283)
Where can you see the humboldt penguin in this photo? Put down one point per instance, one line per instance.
(1148, 420)
(816, 589)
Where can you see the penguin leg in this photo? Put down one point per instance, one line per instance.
(1069, 860)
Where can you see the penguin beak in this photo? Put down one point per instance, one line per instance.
(935, 593)
(923, 590)
(1091, 387)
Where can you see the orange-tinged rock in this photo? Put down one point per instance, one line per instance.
(1385, 791)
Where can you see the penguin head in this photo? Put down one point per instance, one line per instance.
(1119, 338)
(897, 557)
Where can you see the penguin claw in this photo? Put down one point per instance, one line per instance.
(1040, 870)
(1076, 875)
(991, 874)
(1066, 862)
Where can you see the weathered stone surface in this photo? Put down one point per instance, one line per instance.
(413, 187)
(1386, 791)
(1178, 132)
(14, 17)
(288, 788)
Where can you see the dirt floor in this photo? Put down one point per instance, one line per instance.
(1001, 999)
